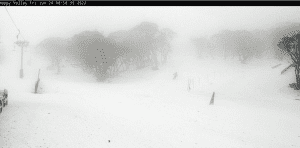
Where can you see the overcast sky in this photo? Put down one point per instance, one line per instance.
(36, 23)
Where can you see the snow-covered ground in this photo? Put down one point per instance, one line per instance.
(253, 107)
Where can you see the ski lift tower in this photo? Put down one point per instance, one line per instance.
(22, 44)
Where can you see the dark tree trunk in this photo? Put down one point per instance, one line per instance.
(297, 70)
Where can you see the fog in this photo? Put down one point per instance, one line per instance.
(36, 23)
(158, 83)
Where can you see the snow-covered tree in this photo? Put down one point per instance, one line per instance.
(53, 48)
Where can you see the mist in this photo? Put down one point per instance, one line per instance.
(36, 23)
(149, 76)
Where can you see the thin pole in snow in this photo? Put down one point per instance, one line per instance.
(37, 83)
(212, 99)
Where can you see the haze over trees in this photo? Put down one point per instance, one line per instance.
(53, 49)
(240, 44)
(280, 31)
(279, 42)
(145, 45)
(243, 44)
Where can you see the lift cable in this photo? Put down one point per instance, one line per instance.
(14, 24)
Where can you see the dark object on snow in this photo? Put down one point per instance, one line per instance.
(291, 65)
(37, 82)
(212, 99)
(276, 66)
(175, 75)
(108, 140)
(294, 86)
(3, 99)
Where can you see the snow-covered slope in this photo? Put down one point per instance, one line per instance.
(253, 107)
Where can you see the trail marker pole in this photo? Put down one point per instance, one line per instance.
(37, 82)
(212, 99)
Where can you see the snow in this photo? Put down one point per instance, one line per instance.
(253, 106)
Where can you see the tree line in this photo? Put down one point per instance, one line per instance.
(279, 42)
(142, 46)
(245, 45)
